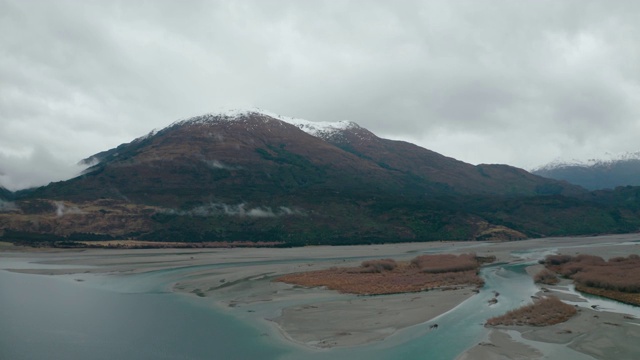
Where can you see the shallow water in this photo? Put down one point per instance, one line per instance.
(48, 317)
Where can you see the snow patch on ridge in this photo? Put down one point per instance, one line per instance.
(321, 129)
(606, 160)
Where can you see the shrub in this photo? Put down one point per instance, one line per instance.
(546, 276)
(378, 265)
(557, 259)
(589, 260)
(618, 274)
(442, 263)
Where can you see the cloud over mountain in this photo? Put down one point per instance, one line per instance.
(484, 81)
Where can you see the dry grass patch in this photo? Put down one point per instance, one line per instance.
(618, 278)
(543, 312)
(141, 244)
(547, 277)
(629, 298)
(378, 266)
(386, 276)
(445, 263)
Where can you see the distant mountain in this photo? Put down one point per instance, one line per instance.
(6, 205)
(622, 170)
(251, 175)
(5, 194)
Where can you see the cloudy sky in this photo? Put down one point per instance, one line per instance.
(516, 82)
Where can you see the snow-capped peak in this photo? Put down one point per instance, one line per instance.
(320, 129)
(606, 159)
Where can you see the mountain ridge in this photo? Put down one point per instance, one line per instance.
(596, 174)
(381, 159)
(606, 159)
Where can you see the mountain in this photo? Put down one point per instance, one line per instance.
(251, 175)
(5, 194)
(248, 157)
(251, 156)
(594, 174)
(6, 205)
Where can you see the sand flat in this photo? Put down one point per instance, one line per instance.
(364, 319)
(500, 346)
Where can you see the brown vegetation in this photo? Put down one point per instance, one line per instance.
(386, 276)
(543, 312)
(617, 278)
(139, 244)
(629, 298)
(546, 276)
(445, 263)
(378, 266)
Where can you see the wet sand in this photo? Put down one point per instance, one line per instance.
(363, 320)
(500, 346)
(597, 334)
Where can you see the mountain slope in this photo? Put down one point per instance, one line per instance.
(458, 177)
(5, 194)
(5, 204)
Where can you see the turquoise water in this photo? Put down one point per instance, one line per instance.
(48, 317)
(136, 317)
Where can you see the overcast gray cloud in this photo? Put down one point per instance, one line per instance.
(517, 82)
